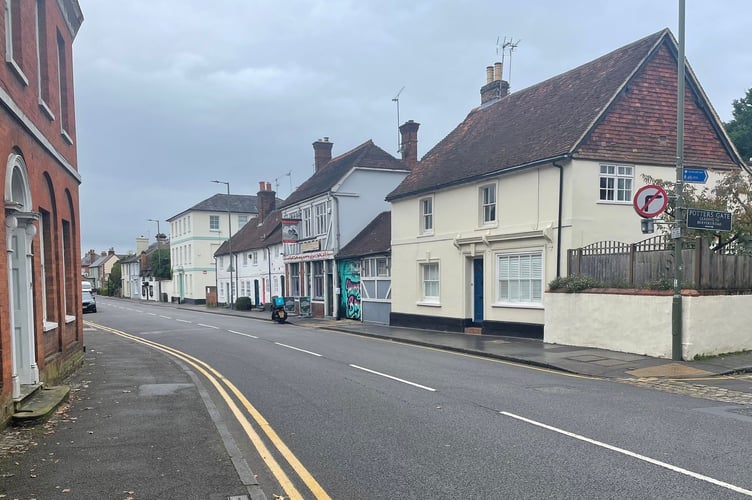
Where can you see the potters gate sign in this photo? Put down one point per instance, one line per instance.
(708, 219)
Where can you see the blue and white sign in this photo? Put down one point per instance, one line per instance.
(696, 175)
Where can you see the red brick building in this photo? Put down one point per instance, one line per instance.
(41, 331)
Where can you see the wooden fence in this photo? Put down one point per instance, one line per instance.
(638, 265)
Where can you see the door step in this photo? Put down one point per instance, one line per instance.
(40, 405)
(473, 330)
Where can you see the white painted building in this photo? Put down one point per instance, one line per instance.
(330, 208)
(258, 265)
(196, 234)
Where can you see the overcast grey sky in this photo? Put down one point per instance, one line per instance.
(171, 94)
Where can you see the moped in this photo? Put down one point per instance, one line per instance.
(278, 309)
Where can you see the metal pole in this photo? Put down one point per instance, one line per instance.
(676, 305)
(159, 263)
(229, 239)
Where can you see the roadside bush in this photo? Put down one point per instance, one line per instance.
(243, 304)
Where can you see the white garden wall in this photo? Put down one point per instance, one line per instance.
(641, 323)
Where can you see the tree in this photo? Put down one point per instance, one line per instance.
(160, 264)
(113, 280)
(732, 194)
(739, 128)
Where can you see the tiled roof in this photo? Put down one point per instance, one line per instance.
(238, 203)
(367, 155)
(375, 238)
(600, 110)
(253, 236)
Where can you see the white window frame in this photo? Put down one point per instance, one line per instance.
(519, 278)
(615, 183)
(212, 225)
(426, 215)
(487, 200)
(306, 226)
(320, 216)
(9, 45)
(430, 283)
(242, 220)
(44, 87)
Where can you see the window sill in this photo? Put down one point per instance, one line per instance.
(46, 110)
(517, 305)
(48, 326)
(69, 319)
(613, 202)
(18, 71)
(66, 137)
(426, 234)
(428, 304)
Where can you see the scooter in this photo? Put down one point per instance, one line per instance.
(278, 310)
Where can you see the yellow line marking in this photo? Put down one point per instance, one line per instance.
(263, 451)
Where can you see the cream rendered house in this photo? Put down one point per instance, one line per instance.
(484, 222)
(195, 235)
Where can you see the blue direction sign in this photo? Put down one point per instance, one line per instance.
(696, 175)
(708, 219)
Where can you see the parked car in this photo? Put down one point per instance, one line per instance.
(89, 302)
(86, 286)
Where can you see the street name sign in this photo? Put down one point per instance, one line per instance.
(708, 219)
(695, 175)
(650, 201)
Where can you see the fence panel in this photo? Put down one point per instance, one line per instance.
(649, 261)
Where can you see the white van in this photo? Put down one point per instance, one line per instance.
(86, 286)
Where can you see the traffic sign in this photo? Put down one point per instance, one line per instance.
(650, 201)
(708, 219)
(695, 175)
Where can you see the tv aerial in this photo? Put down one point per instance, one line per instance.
(509, 45)
(396, 99)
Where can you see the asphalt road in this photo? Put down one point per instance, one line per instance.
(356, 417)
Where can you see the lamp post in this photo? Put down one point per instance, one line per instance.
(159, 263)
(229, 236)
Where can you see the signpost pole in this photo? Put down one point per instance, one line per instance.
(676, 304)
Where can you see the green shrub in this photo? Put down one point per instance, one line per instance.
(243, 304)
(576, 283)
(661, 284)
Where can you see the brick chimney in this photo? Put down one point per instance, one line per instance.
(266, 200)
(409, 139)
(322, 153)
(495, 88)
(111, 251)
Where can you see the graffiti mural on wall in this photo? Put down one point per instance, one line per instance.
(350, 289)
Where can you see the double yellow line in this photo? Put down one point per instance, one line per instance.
(220, 382)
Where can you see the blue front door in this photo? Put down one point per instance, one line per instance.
(477, 290)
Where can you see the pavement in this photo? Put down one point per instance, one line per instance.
(585, 361)
(138, 427)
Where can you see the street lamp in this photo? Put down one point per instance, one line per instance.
(159, 263)
(229, 236)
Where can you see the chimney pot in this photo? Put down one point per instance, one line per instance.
(489, 74)
(268, 186)
(497, 71)
(261, 185)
